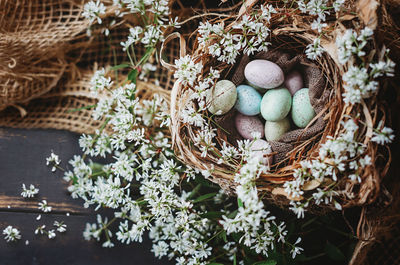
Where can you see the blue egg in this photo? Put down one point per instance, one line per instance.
(248, 100)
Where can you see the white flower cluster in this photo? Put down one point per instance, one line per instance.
(44, 206)
(11, 234)
(154, 13)
(343, 156)
(187, 70)
(382, 135)
(152, 32)
(258, 228)
(226, 44)
(360, 80)
(142, 155)
(99, 82)
(29, 193)
(54, 161)
(144, 188)
(42, 231)
(93, 11)
(320, 9)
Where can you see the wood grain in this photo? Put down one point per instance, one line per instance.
(23, 160)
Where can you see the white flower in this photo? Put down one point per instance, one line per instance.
(314, 50)
(11, 234)
(133, 37)
(226, 46)
(382, 68)
(99, 82)
(108, 244)
(53, 160)
(296, 250)
(61, 227)
(40, 229)
(93, 10)
(44, 207)
(382, 136)
(187, 70)
(160, 249)
(29, 193)
(318, 25)
(51, 234)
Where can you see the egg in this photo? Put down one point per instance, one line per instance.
(261, 149)
(276, 104)
(294, 82)
(263, 74)
(302, 110)
(248, 100)
(222, 97)
(275, 129)
(246, 125)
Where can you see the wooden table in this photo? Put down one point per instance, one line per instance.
(23, 160)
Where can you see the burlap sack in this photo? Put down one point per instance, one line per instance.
(313, 79)
(33, 35)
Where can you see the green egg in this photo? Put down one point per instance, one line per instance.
(276, 104)
(302, 110)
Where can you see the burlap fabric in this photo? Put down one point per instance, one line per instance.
(33, 37)
(318, 92)
(47, 61)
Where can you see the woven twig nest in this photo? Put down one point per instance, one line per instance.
(290, 34)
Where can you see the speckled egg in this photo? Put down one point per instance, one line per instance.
(246, 125)
(276, 104)
(261, 149)
(294, 82)
(222, 97)
(302, 110)
(263, 74)
(248, 100)
(275, 129)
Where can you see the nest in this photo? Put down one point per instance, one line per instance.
(291, 32)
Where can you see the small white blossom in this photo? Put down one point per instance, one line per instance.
(51, 234)
(29, 193)
(99, 82)
(93, 11)
(61, 227)
(314, 50)
(44, 207)
(11, 234)
(53, 160)
(382, 136)
(187, 70)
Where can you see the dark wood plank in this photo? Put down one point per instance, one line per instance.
(22, 160)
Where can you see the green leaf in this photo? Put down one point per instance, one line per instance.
(224, 237)
(232, 214)
(334, 252)
(240, 203)
(194, 191)
(212, 215)
(267, 262)
(205, 197)
(215, 263)
(133, 75)
(120, 66)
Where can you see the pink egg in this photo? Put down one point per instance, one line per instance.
(263, 74)
(261, 148)
(246, 125)
(294, 82)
